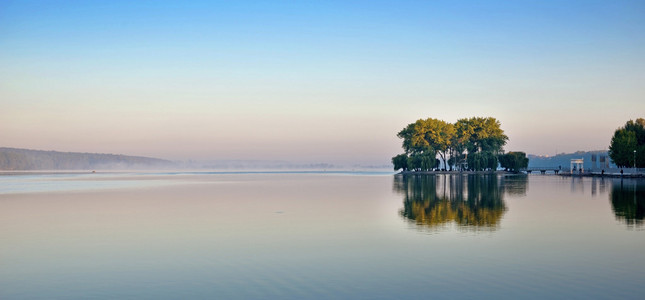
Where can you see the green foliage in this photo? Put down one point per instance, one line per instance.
(480, 135)
(452, 141)
(514, 161)
(482, 161)
(475, 162)
(428, 161)
(492, 162)
(452, 161)
(627, 139)
(427, 136)
(422, 161)
(414, 162)
(400, 162)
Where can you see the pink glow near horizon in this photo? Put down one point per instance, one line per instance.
(181, 84)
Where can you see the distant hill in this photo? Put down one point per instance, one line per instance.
(25, 159)
(564, 159)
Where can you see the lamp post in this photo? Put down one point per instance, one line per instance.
(634, 160)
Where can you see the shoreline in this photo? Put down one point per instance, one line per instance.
(507, 173)
(457, 173)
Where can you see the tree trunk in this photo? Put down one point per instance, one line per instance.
(442, 154)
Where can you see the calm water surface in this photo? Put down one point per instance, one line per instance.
(308, 235)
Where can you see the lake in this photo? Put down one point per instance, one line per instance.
(320, 235)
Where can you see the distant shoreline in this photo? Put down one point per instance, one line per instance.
(190, 172)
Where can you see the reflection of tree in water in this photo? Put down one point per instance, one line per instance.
(471, 201)
(628, 201)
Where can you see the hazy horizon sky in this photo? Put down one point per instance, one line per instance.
(313, 81)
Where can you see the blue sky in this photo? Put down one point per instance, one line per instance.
(313, 81)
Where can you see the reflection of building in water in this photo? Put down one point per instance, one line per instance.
(628, 201)
(598, 186)
(603, 185)
(472, 201)
(577, 185)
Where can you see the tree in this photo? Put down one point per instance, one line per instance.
(453, 141)
(429, 136)
(438, 134)
(422, 161)
(400, 162)
(627, 139)
(428, 161)
(463, 132)
(478, 134)
(482, 161)
(414, 162)
(492, 161)
(514, 161)
(475, 162)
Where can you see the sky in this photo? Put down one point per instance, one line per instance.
(313, 81)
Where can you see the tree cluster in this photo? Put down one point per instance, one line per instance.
(513, 161)
(475, 142)
(625, 141)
